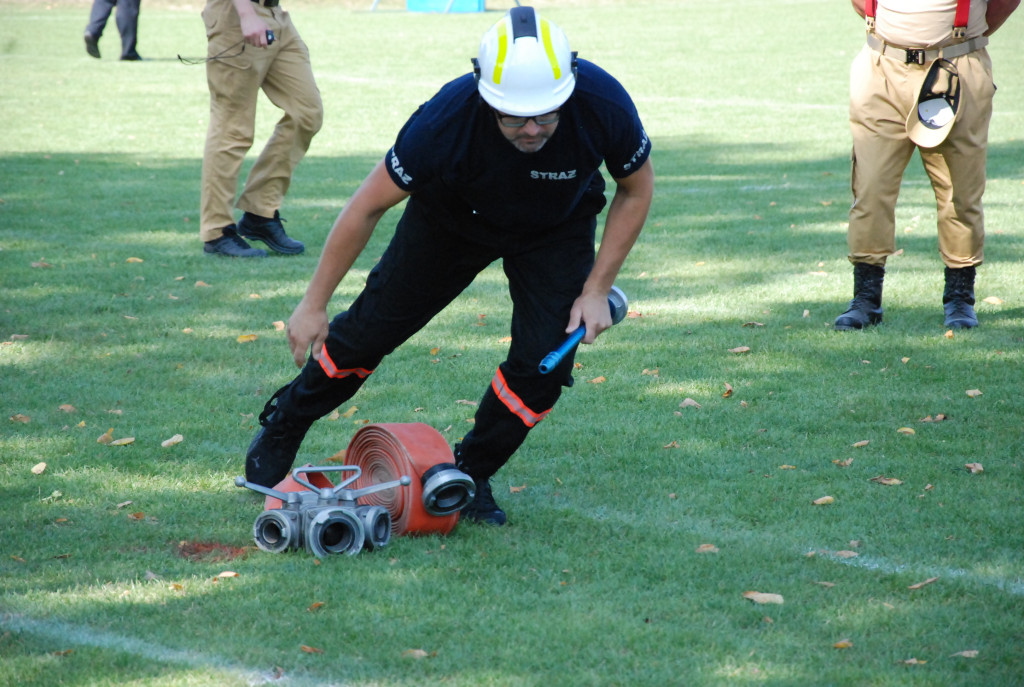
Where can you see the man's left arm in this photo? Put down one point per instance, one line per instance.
(626, 216)
(998, 12)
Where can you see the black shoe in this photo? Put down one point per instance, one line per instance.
(92, 46)
(232, 245)
(482, 508)
(132, 57)
(272, 451)
(270, 231)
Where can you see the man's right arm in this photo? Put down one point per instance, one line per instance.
(307, 327)
(858, 7)
(998, 11)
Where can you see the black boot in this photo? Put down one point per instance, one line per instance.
(866, 307)
(483, 508)
(958, 298)
(272, 451)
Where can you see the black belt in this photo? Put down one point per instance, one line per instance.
(268, 3)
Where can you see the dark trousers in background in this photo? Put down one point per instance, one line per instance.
(424, 268)
(127, 19)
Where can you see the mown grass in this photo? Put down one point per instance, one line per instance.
(597, 581)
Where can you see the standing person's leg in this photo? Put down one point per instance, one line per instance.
(234, 75)
(544, 281)
(98, 16)
(957, 169)
(128, 26)
(881, 152)
(421, 272)
(290, 85)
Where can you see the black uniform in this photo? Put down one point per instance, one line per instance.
(476, 199)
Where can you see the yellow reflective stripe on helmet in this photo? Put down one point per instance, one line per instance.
(545, 33)
(499, 62)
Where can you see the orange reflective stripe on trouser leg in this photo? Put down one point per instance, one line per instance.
(332, 371)
(514, 403)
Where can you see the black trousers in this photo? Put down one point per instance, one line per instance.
(127, 19)
(425, 267)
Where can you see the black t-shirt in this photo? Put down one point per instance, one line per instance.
(454, 160)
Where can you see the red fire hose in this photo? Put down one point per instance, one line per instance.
(385, 452)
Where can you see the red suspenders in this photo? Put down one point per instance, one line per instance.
(963, 13)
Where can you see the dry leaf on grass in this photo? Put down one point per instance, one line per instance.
(974, 468)
(887, 481)
(176, 439)
(707, 548)
(38, 468)
(974, 393)
(823, 501)
(414, 653)
(763, 597)
(740, 349)
(923, 584)
(843, 644)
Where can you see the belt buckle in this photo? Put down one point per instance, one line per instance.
(915, 56)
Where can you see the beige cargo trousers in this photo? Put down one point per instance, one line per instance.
(235, 74)
(882, 92)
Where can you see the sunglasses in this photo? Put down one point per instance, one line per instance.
(513, 122)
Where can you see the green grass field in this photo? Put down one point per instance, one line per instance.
(638, 520)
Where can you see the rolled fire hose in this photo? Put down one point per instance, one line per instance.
(385, 452)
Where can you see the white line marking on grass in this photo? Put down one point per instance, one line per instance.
(1014, 587)
(713, 531)
(82, 635)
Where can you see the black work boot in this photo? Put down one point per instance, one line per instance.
(958, 298)
(866, 307)
(272, 451)
(483, 509)
(270, 231)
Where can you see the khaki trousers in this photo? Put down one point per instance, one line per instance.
(882, 92)
(235, 77)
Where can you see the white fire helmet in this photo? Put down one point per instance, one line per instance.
(525, 67)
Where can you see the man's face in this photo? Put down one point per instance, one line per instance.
(527, 134)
